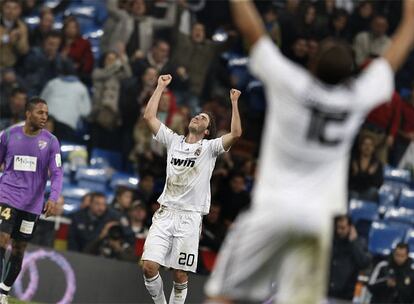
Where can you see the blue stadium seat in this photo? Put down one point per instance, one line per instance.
(409, 239)
(67, 147)
(397, 175)
(388, 195)
(400, 214)
(407, 199)
(124, 179)
(101, 158)
(73, 197)
(363, 213)
(383, 237)
(92, 178)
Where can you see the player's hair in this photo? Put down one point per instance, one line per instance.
(33, 102)
(212, 127)
(402, 245)
(333, 62)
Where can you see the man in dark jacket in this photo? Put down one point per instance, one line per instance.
(89, 223)
(392, 281)
(349, 257)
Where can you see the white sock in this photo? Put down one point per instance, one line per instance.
(178, 293)
(155, 288)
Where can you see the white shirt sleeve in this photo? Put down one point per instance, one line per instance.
(375, 85)
(216, 146)
(274, 69)
(166, 136)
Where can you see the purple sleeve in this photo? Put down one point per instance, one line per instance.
(3, 147)
(56, 172)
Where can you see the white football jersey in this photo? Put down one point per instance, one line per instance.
(309, 130)
(189, 169)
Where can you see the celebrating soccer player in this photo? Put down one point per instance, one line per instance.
(174, 235)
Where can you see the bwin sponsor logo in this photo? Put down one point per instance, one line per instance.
(182, 162)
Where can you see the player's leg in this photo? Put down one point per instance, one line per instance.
(184, 252)
(302, 277)
(7, 221)
(14, 265)
(24, 225)
(180, 284)
(156, 249)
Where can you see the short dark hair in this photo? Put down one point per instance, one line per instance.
(342, 217)
(17, 90)
(402, 245)
(19, 2)
(334, 61)
(53, 34)
(33, 102)
(212, 127)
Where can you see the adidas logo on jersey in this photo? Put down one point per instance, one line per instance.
(182, 162)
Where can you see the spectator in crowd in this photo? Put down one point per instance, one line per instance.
(45, 26)
(146, 189)
(361, 18)
(338, 26)
(392, 281)
(382, 124)
(307, 23)
(300, 50)
(366, 171)
(137, 220)
(213, 229)
(14, 41)
(270, 17)
(135, 93)
(406, 131)
(123, 200)
(140, 39)
(288, 17)
(369, 44)
(112, 243)
(195, 53)
(106, 119)
(9, 80)
(349, 257)
(325, 10)
(86, 200)
(68, 100)
(43, 63)
(233, 198)
(16, 109)
(91, 223)
(117, 25)
(77, 49)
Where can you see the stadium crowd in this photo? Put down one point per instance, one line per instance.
(97, 71)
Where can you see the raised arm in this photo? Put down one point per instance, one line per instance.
(235, 129)
(403, 39)
(150, 114)
(247, 20)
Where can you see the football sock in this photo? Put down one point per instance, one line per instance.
(178, 293)
(155, 288)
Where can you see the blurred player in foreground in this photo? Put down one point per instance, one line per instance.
(173, 238)
(29, 154)
(311, 122)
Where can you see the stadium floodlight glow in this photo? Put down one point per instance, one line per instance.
(29, 264)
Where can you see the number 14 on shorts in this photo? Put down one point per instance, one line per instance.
(5, 212)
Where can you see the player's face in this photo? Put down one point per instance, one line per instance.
(37, 116)
(199, 124)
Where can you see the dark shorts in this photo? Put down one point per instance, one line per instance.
(21, 225)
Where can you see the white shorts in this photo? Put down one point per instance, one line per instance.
(173, 239)
(269, 252)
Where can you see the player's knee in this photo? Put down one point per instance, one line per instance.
(4, 239)
(150, 269)
(180, 276)
(18, 248)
